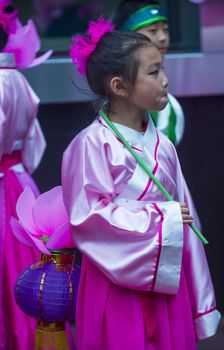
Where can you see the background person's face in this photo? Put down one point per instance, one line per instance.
(158, 33)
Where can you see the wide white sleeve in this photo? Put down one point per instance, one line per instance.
(33, 147)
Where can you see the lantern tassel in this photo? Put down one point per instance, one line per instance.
(51, 336)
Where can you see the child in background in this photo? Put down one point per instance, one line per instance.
(148, 18)
(22, 146)
(145, 282)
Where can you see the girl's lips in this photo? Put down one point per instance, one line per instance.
(163, 49)
(164, 98)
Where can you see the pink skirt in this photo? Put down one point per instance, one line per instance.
(112, 318)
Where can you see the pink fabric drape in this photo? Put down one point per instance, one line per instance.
(19, 329)
(22, 146)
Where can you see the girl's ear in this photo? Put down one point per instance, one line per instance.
(118, 87)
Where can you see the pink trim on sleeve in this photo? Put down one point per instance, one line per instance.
(160, 243)
(205, 312)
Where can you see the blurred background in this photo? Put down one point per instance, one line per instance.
(195, 67)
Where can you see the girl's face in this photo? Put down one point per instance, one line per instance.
(150, 88)
(158, 33)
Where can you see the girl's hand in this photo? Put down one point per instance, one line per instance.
(187, 218)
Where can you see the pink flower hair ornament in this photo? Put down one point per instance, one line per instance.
(84, 45)
(8, 21)
(42, 222)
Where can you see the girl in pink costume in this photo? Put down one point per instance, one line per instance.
(145, 282)
(22, 146)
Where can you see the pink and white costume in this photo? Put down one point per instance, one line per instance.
(21, 148)
(145, 282)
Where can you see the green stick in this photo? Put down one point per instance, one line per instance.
(147, 170)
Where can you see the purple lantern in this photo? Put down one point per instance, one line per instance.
(48, 289)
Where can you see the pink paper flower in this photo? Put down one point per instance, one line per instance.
(84, 45)
(43, 222)
(24, 43)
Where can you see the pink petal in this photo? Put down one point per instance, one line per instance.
(40, 245)
(20, 233)
(41, 59)
(26, 238)
(24, 208)
(49, 211)
(62, 238)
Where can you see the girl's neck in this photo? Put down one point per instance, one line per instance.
(133, 118)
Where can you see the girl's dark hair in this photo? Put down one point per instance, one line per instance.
(127, 8)
(116, 55)
(3, 35)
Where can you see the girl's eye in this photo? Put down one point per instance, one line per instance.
(153, 31)
(155, 72)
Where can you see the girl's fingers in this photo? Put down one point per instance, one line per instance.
(182, 204)
(184, 209)
(187, 218)
(188, 222)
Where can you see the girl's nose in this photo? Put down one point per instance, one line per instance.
(164, 81)
(162, 36)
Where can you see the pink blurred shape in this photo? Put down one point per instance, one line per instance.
(197, 1)
(42, 222)
(24, 44)
(7, 20)
(4, 3)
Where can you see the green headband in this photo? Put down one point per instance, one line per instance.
(144, 17)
